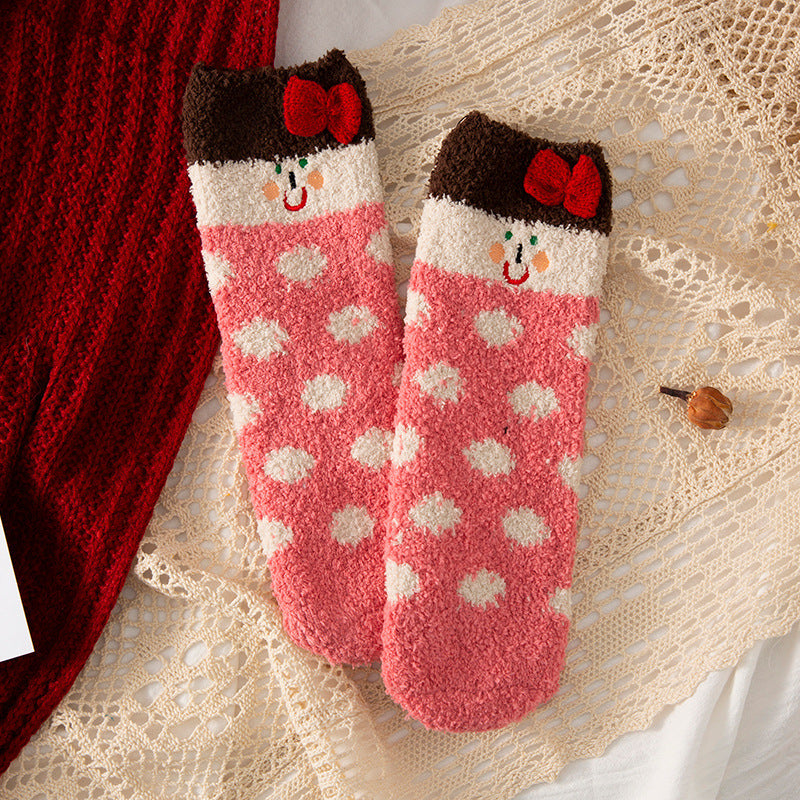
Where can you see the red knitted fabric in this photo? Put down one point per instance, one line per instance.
(106, 328)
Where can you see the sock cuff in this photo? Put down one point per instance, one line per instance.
(495, 168)
(268, 113)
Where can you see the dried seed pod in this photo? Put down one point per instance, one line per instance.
(706, 407)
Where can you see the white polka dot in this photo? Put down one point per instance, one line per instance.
(325, 392)
(441, 382)
(435, 513)
(570, 471)
(397, 373)
(274, 535)
(379, 246)
(405, 445)
(483, 588)
(401, 581)
(525, 526)
(372, 448)
(417, 308)
(260, 338)
(288, 465)
(351, 324)
(582, 340)
(498, 327)
(243, 408)
(490, 457)
(218, 270)
(302, 263)
(532, 400)
(561, 602)
(351, 525)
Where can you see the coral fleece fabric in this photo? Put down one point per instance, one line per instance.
(461, 658)
(329, 584)
(107, 327)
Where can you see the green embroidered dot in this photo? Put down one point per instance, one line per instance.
(534, 240)
(278, 168)
(508, 235)
(303, 162)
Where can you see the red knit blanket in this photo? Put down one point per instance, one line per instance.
(106, 328)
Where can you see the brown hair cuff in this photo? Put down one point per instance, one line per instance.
(500, 170)
(236, 115)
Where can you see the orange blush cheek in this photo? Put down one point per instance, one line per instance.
(496, 252)
(271, 190)
(541, 261)
(315, 179)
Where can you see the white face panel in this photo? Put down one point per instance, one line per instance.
(527, 256)
(292, 190)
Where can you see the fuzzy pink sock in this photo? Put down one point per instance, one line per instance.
(500, 324)
(290, 209)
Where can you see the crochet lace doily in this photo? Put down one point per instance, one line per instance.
(687, 551)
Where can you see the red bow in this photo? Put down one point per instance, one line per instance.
(308, 109)
(550, 181)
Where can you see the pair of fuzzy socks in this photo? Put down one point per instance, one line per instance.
(422, 514)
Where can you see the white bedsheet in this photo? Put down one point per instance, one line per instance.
(309, 28)
(738, 736)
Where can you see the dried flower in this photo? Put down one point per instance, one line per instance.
(706, 407)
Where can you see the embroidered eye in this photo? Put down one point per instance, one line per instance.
(508, 235)
(534, 240)
(278, 169)
(303, 162)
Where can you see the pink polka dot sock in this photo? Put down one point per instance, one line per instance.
(501, 317)
(290, 209)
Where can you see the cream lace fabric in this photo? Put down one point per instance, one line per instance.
(688, 548)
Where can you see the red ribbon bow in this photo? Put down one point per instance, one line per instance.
(308, 109)
(550, 181)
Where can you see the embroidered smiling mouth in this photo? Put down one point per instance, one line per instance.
(515, 281)
(290, 206)
(507, 269)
